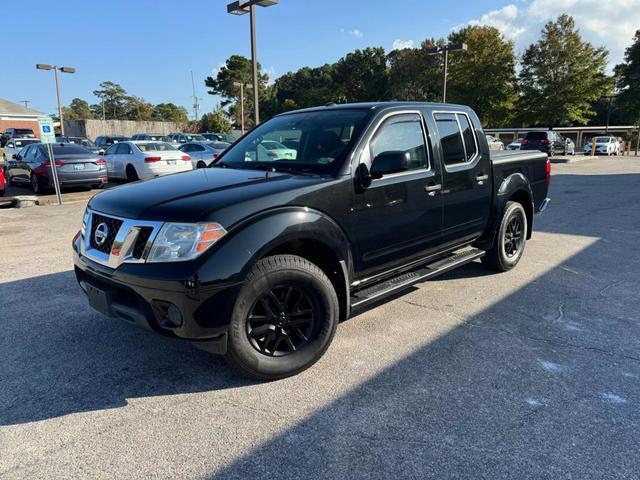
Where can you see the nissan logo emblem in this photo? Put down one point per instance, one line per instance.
(101, 233)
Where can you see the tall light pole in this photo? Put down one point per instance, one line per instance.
(451, 47)
(55, 68)
(241, 7)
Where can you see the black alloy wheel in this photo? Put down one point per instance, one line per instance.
(513, 236)
(281, 321)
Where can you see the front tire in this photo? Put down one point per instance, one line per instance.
(284, 319)
(511, 239)
(201, 164)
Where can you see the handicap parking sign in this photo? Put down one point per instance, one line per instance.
(47, 135)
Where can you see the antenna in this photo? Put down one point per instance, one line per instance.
(26, 103)
(196, 100)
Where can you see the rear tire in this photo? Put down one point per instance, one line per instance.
(284, 318)
(201, 164)
(510, 241)
(35, 184)
(132, 175)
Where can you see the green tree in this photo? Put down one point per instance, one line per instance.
(216, 121)
(78, 109)
(306, 87)
(237, 69)
(361, 76)
(628, 74)
(561, 76)
(484, 76)
(169, 112)
(414, 74)
(137, 109)
(114, 98)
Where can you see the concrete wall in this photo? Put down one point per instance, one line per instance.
(127, 128)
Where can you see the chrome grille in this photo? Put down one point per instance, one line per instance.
(127, 241)
(113, 225)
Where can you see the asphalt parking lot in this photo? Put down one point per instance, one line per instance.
(534, 373)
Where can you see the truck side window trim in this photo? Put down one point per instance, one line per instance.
(471, 162)
(365, 156)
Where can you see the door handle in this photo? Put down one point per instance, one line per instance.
(482, 178)
(433, 189)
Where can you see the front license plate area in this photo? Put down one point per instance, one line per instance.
(98, 299)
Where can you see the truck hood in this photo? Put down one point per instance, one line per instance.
(201, 195)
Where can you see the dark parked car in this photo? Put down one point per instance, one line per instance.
(82, 141)
(76, 167)
(549, 142)
(105, 142)
(154, 137)
(219, 137)
(259, 257)
(11, 133)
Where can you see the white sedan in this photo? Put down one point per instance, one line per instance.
(604, 146)
(14, 145)
(139, 160)
(272, 150)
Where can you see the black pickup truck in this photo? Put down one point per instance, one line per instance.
(305, 220)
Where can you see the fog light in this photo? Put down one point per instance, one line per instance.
(173, 318)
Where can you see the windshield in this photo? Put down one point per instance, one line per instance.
(155, 147)
(22, 143)
(68, 149)
(18, 132)
(602, 139)
(307, 141)
(195, 138)
(536, 136)
(157, 138)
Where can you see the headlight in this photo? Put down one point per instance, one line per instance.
(85, 220)
(178, 242)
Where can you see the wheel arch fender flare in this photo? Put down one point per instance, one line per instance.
(251, 239)
(514, 186)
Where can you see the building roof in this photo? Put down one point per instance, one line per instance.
(10, 109)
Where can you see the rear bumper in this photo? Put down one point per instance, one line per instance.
(176, 307)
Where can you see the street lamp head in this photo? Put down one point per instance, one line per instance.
(68, 70)
(235, 8)
(43, 66)
(266, 3)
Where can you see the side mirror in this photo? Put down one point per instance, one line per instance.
(387, 163)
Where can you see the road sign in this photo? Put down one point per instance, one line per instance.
(47, 134)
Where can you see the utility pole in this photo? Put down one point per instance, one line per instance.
(451, 47)
(196, 104)
(26, 103)
(242, 86)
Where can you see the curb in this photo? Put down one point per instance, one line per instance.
(572, 159)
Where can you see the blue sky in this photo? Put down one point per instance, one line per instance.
(150, 47)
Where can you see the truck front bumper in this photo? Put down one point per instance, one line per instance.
(179, 308)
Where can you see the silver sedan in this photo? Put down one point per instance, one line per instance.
(203, 153)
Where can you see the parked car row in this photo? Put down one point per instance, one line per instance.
(13, 133)
(604, 145)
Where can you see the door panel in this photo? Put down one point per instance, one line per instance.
(467, 178)
(396, 219)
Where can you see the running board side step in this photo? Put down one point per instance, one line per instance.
(361, 298)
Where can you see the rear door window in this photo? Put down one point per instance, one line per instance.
(468, 136)
(453, 151)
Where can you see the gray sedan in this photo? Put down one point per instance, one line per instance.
(76, 167)
(203, 153)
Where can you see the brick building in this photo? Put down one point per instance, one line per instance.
(14, 115)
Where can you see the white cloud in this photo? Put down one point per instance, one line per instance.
(610, 23)
(271, 71)
(504, 19)
(354, 33)
(402, 44)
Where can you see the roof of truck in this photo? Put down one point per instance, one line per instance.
(379, 105)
